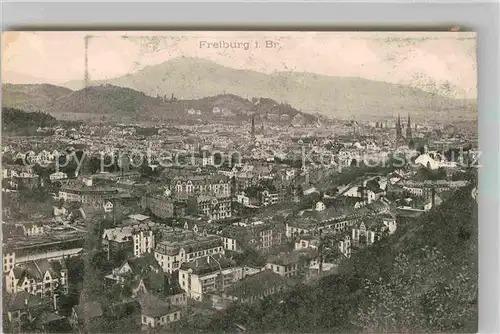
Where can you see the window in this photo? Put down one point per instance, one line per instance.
(175, 316)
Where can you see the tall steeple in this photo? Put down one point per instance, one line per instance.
(252, 131)
(253, 126)
(398, 128)
(408, 128)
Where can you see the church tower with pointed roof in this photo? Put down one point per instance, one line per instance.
(398, 128)
(408, 128)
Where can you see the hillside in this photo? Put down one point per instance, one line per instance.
(18, 122)
(421, 279)
(106, 99)
(32, 97)
(193, 78)
(108, 102)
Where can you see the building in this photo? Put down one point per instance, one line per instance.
(372, 229)
(426, 188)
(212, 207)
(339, 217)
(255, 287)
(156, 312)
(87, 194)
(40, 278)
(161, 285)
(26, 229)
(291, 264)
(26, 181)
(46, 247)
(22, 308)
(269, 198)
(113, 178)
(84, 313)
(217, 185)
(159, 206)
(171, 254)
(135, 240)
(345, 245)
(58, 176)
(133, 269)
(342, 240)
(408, 129)
(259, 236)
(305, 241)
(208, 275)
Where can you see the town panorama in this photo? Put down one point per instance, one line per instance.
(239, 182)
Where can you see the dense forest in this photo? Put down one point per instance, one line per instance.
(421, 279)
(15, 120)
(21, 123)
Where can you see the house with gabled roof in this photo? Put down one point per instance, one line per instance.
(39, 277)
(84, 313)
(132, 269)
(293, 263)
(156, 312)
(162, 285)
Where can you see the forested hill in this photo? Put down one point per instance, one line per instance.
(15, 120)
(421, 279)
(19, 122)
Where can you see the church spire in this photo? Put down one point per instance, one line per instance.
(408, 128)
(398, 128)
(252, 131)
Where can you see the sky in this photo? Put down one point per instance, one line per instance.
(443, 62)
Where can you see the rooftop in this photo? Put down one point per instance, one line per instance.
(292, 257)
(208, 264)
(89, 189)
(255, 284)
(154, 307)
(88, 311)
(21, 301)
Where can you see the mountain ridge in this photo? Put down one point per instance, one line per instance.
(345, 97)
(109, 102)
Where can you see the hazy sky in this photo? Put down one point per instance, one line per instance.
(443, 62)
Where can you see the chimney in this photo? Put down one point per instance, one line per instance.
(208, 259)
(26, 301)
(196, 262)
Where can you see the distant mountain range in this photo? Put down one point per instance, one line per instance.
(108, 102)
(199, 84)
(342, 97)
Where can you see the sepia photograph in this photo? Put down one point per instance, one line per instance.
(239, 182)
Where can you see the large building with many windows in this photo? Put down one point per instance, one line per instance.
(171, 254)
(211, 207)
(209, 274)
(218, 185)
(87, 194)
